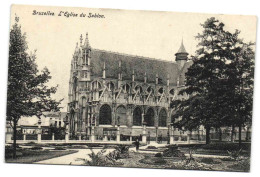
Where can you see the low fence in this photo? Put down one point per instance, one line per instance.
(245, 136)
(215, 136)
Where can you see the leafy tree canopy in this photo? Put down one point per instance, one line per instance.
(27, 93)
(219, 82)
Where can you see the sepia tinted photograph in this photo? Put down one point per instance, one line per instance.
(130, 88)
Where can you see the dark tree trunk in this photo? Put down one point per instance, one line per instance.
(247, 134)
(220, 134)
(232, 133)
(239, 135)
(207, 135)
(14, 139)
(198, 135)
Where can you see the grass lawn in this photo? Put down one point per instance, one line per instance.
(169, 157)
(30, 156)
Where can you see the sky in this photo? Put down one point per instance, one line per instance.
(144, 33)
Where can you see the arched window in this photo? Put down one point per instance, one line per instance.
(105, 116)
(75, 62)
(172, 92)
(75, 85)
(110, 86)
(149, 117)
(160, 90)
(163, 118)
(96, 85)
(85, 57)
(139, 88)
(137, 116)
(121, 115)
(83, 102)
(126, 88)
(150, 90)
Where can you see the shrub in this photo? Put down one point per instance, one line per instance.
(9, 155)
(114, 155)
(9, 152)
(173, 151)
(120, 152)
(122, 149)
(95, 158)
(209, 161)
(193, 165)
(153, 160)
(159, 161)
(173, 147)
(151, 147)
(31, 143)
(158, 154)
(36, 148)
(243, 165)
(227, 159)
(94, 145)
(59, 148)
(234, 154)
(100, 159)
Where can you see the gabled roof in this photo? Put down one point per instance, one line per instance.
(140, 65)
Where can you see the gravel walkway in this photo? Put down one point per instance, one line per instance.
(72, 159)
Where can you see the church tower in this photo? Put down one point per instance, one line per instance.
(86, 56)
(181, 56)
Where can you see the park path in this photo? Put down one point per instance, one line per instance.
(72, 159)
(76, 158)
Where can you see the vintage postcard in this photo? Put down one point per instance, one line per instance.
(121, 88)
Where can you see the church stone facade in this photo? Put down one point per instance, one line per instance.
(113, 94)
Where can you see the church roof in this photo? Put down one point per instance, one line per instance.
(140, 65)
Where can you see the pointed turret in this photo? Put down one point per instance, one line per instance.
(86, 43)
(76, 49)
(85, 57)
(81, 39)
(182, 48)
(181, 56)
(75, 57)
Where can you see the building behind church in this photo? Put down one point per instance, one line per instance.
(112, 93)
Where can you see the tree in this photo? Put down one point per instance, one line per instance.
(27, 93)
(240, 74)
(216, 81)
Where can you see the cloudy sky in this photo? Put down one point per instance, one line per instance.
(145, 33)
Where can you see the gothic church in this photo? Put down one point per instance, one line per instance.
(112, 93)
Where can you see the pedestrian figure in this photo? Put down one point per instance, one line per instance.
(148, 139)
(137, 143)
(160, 139)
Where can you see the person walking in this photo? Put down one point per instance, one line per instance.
(137, 143)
